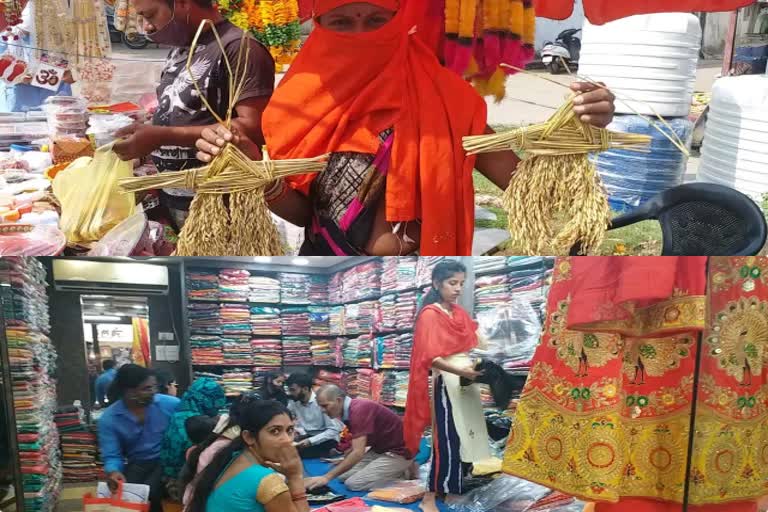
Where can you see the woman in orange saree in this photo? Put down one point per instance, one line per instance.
(605, 414)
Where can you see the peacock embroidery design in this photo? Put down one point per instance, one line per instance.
(580, 351)
(739, 337)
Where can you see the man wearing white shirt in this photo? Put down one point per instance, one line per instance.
(317, 434)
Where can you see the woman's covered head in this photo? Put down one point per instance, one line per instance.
(266, 428)
(354, 17)
(205, 396)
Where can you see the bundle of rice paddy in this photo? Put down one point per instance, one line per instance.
(555, 199)
(239, 224)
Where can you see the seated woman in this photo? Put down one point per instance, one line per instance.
(243, 476)
(274, 388)
(366, 89)
(227, 429)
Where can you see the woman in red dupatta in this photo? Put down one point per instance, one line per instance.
(366, 89)
(605, 414)
(443, 337)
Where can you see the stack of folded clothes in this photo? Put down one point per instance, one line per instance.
(206, 349)
(78, 446)
(235, 319)
(204, 318)
(358, 352)
(32, 365)
(234, 285)
(424, 268)
(237, 350)
(318, 290)
(265, 321)
(294, 288)
(237, 381)
(319, 321)
(324, 352)
(264, 290)
(295, 321)
(202, 285)
(267, 351)
(297, 351)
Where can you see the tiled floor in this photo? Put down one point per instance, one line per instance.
(72, 496)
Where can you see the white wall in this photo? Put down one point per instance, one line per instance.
(547, 30)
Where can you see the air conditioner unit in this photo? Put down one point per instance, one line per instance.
(112, 278)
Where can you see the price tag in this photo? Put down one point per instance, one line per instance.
(49, 73)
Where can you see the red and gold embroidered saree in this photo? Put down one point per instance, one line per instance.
(606, 411)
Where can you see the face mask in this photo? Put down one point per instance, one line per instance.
(174, 33)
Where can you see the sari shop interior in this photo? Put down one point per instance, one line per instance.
(584, 401)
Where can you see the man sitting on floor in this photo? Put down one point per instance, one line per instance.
(371, 425)
(317, 434)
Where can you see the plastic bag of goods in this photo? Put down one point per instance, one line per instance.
(504, 489)
(29, 240)
(91, 203)
(511, 331)
(399, 492)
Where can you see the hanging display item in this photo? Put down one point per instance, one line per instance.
(274, 23)
(13, 65)
(94, 49)
(605, 414)
(10, 12)
(127, 20)
(479, 36)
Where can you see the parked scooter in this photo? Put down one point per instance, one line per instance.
(132, 41)
(566, 49)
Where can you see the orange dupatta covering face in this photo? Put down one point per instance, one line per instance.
(344, 89)
(436, 335)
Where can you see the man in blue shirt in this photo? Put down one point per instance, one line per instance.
(104, 381)
(131, 431)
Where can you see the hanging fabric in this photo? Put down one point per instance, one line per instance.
(140, 352)
(605, 414)
(603, 11)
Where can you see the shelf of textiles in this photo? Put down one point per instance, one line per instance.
(79, 446)
(240, 286)
(510, 304)
(235, 380)
(32, 360)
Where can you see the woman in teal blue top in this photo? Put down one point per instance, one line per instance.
(260, 471)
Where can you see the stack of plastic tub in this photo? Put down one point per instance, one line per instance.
(650, 63)
(735, 149)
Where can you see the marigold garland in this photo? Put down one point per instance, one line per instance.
(274, 23)
(480, 35)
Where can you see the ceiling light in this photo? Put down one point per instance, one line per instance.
(102, 318)
(262, 259)
(300, 261)
(98, 305)
(138, 306)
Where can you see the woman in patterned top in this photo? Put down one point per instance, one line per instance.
(368, 90)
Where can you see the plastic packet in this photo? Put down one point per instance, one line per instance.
(26, 240)
(104, 127)
(511, 331)
(91, 203)
(399, 492)
(516, 495)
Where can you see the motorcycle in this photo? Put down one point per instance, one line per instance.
(133, 41)
(566, 49)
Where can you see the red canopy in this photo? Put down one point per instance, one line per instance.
(603, 11)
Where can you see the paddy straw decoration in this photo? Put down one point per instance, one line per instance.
(555, 199)
(244, 226)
